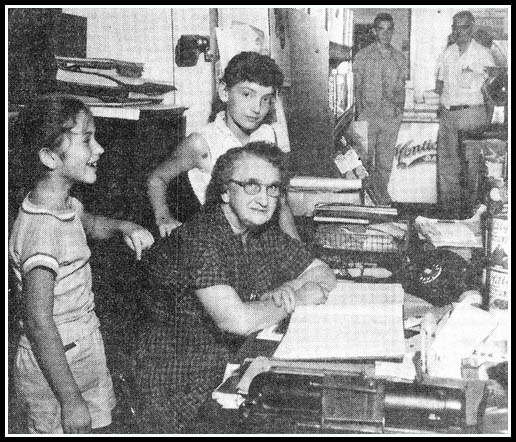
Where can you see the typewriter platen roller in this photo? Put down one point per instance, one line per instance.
(297, 403)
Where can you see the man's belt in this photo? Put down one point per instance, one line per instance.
(459, 107)
(69, 346)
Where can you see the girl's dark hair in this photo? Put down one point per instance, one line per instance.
(43, 123)
(226, 164)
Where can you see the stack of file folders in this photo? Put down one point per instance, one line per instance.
(109, 80)
(353, 214)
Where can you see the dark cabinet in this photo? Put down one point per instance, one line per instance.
(132, 148)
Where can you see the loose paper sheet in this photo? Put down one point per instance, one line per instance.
(465, 329)
(239, 37)
(358, 321)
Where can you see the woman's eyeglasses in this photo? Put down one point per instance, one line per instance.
(253, 188)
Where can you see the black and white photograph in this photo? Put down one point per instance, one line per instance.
(258, 220)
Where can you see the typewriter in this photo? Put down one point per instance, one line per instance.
(282, 402)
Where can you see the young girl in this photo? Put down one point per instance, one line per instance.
(248, 90)
(60, 370)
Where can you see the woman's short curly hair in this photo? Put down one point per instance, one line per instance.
(227, 163)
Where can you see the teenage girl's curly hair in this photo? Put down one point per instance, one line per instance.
(253, 67)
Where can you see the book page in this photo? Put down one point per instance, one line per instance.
(359, 321)
(354, 295)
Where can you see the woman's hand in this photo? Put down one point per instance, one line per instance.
(311, 293)
(285, 297)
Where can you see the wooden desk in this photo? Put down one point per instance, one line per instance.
(214, 419)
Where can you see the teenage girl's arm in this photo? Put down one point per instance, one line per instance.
(188, 155)
(286, 219)
(135, 236)
(49, 352)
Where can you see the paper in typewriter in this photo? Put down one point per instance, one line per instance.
(358, 321)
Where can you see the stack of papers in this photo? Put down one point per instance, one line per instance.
(448, 233)
(322, 184)
(353, 214)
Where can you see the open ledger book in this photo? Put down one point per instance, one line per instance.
(358, 321)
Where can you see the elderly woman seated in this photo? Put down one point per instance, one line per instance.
(225, 274)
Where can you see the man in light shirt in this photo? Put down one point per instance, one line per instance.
(461, 73)
(380, 72)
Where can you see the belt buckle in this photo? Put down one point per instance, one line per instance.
(459, 107)
(69, 346)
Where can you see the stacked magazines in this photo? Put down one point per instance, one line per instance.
(354, 214)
